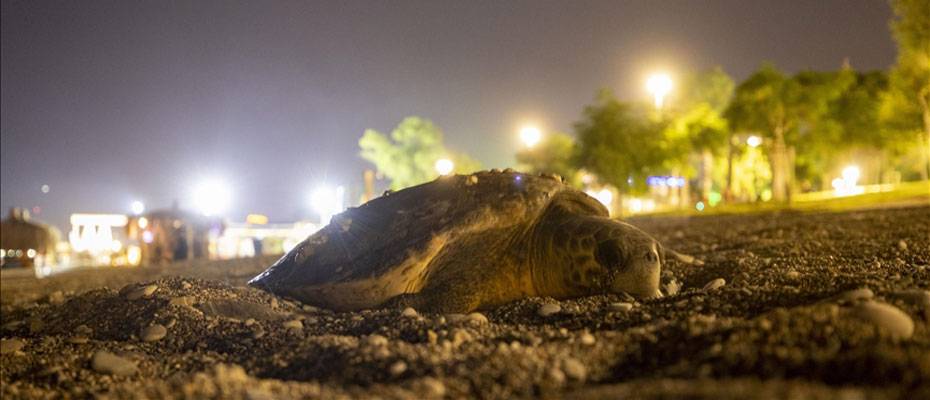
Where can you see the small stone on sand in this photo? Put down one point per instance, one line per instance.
(109, 363)
(622, 306)
(8, 346)
(574, 369)
(886, 317)
(715, 284)
(409, 312)
(153, 333)
(549, 309)
(294, 324)
(141, 291)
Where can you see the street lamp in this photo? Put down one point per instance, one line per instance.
(137, 207)
(444, 166)
(327, 202)
(659, 85)
(530, 135)
(212, 197)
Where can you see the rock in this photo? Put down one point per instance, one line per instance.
(885, 316)
(153, 333)
(109, 363)
(672, 288)
(850, 296)
(78, 339)
(622, 306)
(56, 297)
(141, 291)
(8, 346)
(409, 312)
(460, 336)
(556, 376)
(902, 245)
(793, 275)
(715, 284)
(574, 369)
(587, 339)
(398, 368)
(549, 309)
(433, 387)
(376, 340)
(477, 318)
(294, 324)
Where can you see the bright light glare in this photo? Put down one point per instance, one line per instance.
(137, 207)
(143, 222)
(327, 202)
(851, 174)
(754, 141)
(212, 198)
(849, 183)
(31, 253)
(444, 166)
(659, 85)
(605, 196)
(530, 135)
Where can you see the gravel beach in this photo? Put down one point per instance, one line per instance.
(787, 305)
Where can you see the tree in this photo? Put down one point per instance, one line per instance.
(619, 143)
(697, 125)
(908, 101)
(553, 154)
(409, 156)
(767, 103)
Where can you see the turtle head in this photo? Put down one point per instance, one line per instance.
(632, 260)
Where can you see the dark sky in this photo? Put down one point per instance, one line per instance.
(107, 102)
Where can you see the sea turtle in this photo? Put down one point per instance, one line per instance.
(465, 242)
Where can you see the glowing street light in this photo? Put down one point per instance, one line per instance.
(444, 166)
(530, 135)
(212, 197)
(137, 207)
(753, 141)
(327, 202)
(659, 85)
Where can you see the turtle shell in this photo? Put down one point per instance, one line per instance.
(382, 248)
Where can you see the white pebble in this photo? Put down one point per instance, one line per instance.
(587, 339)
(409, 312)
(477, 317)
(154, 333)
(715, 284)
(574, 369)
(109, 363)
(140, 292)
(294, 324)
(376, 340)
(886, 317)
(549, 309)
(622, 306)
(398, 368)
(902, 245)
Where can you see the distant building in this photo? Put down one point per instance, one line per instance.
(170, 235)
(24, 243)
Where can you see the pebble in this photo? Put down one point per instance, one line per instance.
(398, 368)
(376, 340)
(902, 245)
(56, 297)
(587, 339)
(549, 309)
(185, 285)
(8, 346)
(460, 336)
(556, 376)
(793, 275)
(478, 318)
(850, 296)
(574, 369)
(434, 387)
(622, 306)
(142, 291)
(409, 312)
(715, 284)
(153, 333)
(109, 363)
(78, 339)
(294, 324)
(885, 316)
(672, 288)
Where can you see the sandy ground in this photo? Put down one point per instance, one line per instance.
(789, 305)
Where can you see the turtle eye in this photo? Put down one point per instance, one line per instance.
(651, 256)
(608, 254)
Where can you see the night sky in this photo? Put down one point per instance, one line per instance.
(110, 102)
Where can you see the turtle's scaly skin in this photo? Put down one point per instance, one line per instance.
(465, 242)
